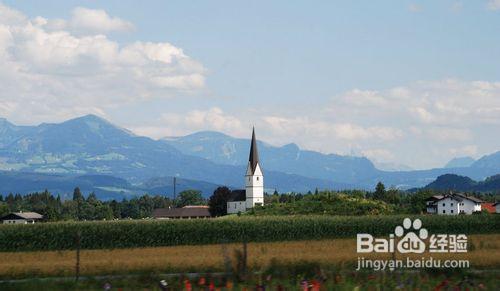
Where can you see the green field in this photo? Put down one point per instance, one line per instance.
(152, 233)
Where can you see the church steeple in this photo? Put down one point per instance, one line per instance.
(253, 159)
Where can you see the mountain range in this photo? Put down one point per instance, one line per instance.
(357, 171)
(112, 161)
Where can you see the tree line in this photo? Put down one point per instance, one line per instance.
(346, 202)
(53, 208)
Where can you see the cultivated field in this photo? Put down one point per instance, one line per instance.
(155, 233)
(333, 253)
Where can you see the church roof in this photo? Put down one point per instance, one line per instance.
(237, 195)
(184, 212)
(254, 154)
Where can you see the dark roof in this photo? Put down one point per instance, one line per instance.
(253, 159)
(459, 197)
(471, 198)
(184, 212)
(435, 197)
(237, 195)
(23, 215)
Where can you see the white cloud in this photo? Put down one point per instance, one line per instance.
(433, 117)
(316, 129)
(493, 4)
(46, 71)
(467, 150)
(378, 154)
(97, 20)
(175, 124)
(445, 134)
(85, 21)
(446, 102)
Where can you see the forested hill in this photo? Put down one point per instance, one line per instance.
(465, 184)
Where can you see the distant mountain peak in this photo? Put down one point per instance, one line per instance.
(88, 117)
(96, 123)
(460, 162)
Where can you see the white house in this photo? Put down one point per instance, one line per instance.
(430, 204)
(253, 195)
(497, 207)
(21, 218)
(453, 204)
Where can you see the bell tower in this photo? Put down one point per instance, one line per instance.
(254, 179)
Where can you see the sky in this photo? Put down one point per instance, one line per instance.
(413, 83)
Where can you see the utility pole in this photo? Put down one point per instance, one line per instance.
(175, 182)
(77, 242)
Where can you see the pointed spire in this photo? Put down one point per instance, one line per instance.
(254, 154)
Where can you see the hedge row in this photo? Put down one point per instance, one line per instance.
(148, 233)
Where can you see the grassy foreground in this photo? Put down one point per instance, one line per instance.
(484, 253)
(154, 233)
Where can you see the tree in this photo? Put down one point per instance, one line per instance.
(79, 200)
(103, 212)
(4, 209)
(218, 201)
(379, 191)
(189, 197)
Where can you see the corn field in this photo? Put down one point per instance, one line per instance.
(153, 233)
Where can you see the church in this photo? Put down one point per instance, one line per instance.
(253, 195)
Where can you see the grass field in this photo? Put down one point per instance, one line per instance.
(485, 253)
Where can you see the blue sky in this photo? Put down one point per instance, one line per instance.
(402, 82)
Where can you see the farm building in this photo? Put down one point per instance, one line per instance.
(186, 212)
(453, 204)
(21, 218)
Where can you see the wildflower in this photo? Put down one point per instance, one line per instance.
(304, 285)
(316, 286)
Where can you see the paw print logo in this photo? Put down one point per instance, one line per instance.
(411, 242)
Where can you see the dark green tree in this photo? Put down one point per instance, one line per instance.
(189, 197)
(218, 201)
(102, 212)
(379, 193)
(79, 200)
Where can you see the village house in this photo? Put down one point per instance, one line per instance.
(186, 212)
(21, 218)
(453, 204)
(253, 195)
(497, 207)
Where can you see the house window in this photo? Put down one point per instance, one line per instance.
(444, 204)
(444, 211)
(452, 211)
(257, 178)
(451, 204)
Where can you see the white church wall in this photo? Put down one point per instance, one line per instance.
(236, 206)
